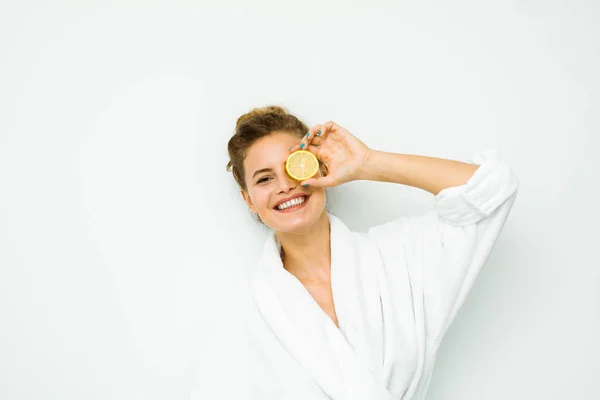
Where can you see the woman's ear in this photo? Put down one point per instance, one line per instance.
(248, 200)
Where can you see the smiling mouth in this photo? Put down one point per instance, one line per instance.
(293, 204)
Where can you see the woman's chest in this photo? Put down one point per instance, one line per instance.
(320, 290)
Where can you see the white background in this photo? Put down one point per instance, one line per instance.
(124, 243)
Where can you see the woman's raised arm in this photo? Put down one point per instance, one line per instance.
(427, 173)
(348, 159)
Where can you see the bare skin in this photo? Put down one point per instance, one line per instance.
(318, 284)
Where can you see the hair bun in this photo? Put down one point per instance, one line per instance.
(260, 111)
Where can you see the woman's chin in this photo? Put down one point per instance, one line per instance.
(297, 222)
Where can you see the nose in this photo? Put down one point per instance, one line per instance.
(286, 184)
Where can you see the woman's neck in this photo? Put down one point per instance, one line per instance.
(307, 253)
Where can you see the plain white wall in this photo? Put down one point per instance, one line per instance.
(124, 243)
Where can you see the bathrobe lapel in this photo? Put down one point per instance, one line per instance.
(356, 294)
(340, 369)
(297, 321)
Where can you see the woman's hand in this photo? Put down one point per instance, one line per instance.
(342, 153)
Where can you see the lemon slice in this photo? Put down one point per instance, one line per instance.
(302, 165)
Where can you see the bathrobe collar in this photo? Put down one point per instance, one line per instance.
(309, 334)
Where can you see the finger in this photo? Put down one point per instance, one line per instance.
(310, 136)
(305, 141)
(321, 134)
(322, 182)
(315, 149)
(334, 130)
(331, 126)
(319, 138)
(318, 130)
(324, 132)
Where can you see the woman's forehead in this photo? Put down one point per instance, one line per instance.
(273, 148)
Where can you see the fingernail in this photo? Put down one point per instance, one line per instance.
(307, 134)
(302, 146)
(305, 185)
(319, 134)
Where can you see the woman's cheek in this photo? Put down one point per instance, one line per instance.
(263, 196)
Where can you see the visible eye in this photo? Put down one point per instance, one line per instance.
(264, 179)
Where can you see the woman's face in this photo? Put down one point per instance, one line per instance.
(270, 187)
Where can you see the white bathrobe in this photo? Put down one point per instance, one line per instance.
(396, 289)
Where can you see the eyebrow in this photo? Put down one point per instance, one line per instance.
(259, 171)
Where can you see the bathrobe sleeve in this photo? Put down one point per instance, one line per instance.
(444, 250)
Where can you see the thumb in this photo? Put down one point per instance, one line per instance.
(325, 181)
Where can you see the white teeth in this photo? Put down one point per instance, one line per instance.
(293, 202)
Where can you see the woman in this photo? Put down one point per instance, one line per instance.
(346, 315)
